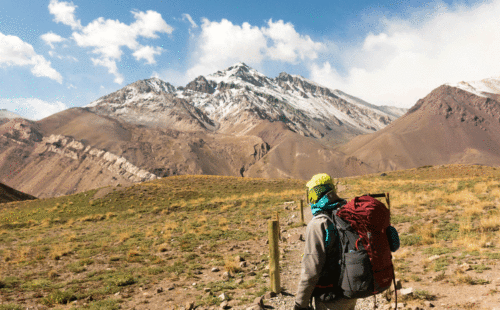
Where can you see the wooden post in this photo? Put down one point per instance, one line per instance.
(274, 257)
(277, 218)
(302, 211)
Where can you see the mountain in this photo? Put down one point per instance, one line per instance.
(236, 100)
(234, 122)
(6, 115)
(455, 123)
(8, 194)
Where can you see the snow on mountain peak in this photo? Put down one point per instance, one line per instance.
(480, 88)
(241, 95)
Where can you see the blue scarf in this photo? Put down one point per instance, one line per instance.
(325, 205)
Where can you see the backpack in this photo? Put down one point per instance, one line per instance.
(365, 261)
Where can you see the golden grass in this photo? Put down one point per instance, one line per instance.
(495, 193)
(464, 196)
(480, 188)
(490, 223)
(124, 236)
(170, 225)
(59, 250)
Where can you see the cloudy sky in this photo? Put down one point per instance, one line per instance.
(58, 54)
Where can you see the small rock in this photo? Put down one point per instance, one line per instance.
(398, 284)
(239, 259)
(433, 258)
(170, 288)
(265, 275)
(239, 281)
(428, 304)
(215, 269)
(406, 291)
(258, 301)
(294, 216)
(189, 305)
(226, 275)
(197, 272)
(206, 289)
(194, 284)
(251, 273)
(159, 290)
(465, 267)
(117, 294)
(224, 305)
(222, 296)
(243, 264)
(269, 295)
(383, 174)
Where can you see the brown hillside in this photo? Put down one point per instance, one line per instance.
(448, 126)
(8, 194)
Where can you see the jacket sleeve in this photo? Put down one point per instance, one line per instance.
(313, 260)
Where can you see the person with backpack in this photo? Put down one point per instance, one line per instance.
(336, 267)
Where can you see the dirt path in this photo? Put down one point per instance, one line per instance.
(292, 249)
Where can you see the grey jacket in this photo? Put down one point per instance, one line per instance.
(319, 258)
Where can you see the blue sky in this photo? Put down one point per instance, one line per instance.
(58, 54)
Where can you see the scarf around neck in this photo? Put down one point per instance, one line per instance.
(325, 205)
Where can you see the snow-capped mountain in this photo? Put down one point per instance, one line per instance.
(238, 98)
(6, 114)
(489, 87)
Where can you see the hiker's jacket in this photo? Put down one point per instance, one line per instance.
(320, 264)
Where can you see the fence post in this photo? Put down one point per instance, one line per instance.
(302, 211)
(274, 257)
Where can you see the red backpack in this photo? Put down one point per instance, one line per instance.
(366, 260)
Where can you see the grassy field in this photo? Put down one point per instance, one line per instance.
(80, 247)
(90, 246)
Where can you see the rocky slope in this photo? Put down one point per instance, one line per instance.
(8, 194)
(450, 125)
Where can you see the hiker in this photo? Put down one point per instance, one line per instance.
(321, 249)
(321, 269)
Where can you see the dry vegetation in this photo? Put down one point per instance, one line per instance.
(58, 250)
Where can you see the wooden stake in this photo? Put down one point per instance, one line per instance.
(302, 211)
(274, 259)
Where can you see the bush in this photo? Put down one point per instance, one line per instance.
(409, 240)
(59, 297)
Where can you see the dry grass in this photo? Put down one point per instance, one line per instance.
(490, 223)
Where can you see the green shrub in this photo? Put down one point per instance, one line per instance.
(409, 240)
(59, 297)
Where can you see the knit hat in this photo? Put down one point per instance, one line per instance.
(319, 185)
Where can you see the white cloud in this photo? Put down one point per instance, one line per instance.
(410, 57)
(71, 86)
(147, 53)
(108, 37)
(32, 108)
(50, 38)
(288, 44)
(190, 20)
(221, 44)
(16, 52)
(64, 12)
(112, 68)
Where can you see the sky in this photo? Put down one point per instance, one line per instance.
(57, 54)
